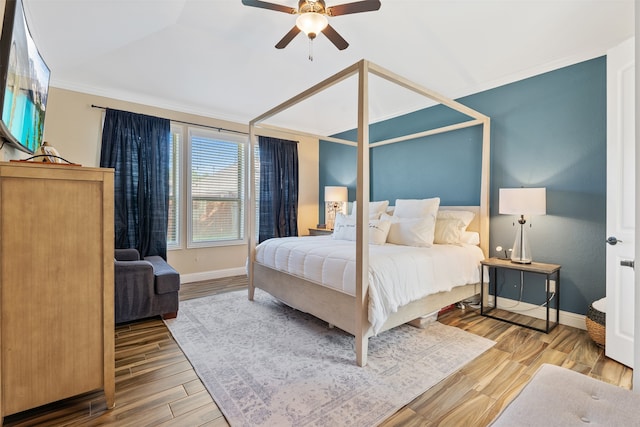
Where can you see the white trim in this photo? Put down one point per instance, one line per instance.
(166, 104)
(566, 317)
(178, 130)
(212, 275)
(221, 136)
(157, 102)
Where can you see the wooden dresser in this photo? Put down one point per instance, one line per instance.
(56, 284)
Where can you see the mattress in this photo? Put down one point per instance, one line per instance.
(398, 274)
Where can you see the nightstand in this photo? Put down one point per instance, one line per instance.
(550, 289)
(320, 232)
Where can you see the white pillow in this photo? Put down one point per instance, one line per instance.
(416, 208)
(375, 209)
(345, 229)
(411, 231)
(378, 231)
(470, 238)
(450, 225)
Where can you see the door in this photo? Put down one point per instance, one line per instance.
(620, 202)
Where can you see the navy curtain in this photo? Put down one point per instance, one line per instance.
(278, 188)
(137, 147)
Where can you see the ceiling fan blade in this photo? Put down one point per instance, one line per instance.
(355, 7)
(287, 38)
(270, 6)
(335, 38)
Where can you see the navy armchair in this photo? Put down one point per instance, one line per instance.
(144, 287)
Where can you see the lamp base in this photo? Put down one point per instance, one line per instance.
(521, 254)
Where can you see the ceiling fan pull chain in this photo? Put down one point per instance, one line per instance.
(310, 49)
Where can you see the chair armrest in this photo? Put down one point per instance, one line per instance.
(133, 270)
(134, 290)
(129, 254)
(166, 277)
(134, 274)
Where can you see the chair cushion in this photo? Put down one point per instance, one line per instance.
(166, 278)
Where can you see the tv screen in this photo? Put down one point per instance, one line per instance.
(24, 82)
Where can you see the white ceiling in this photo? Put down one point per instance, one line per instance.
(217, 58)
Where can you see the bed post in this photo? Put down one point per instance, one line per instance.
(484, 186)
(362, 216)
(251, 226)
(360, 322)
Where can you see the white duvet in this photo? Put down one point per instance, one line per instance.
(398, 274)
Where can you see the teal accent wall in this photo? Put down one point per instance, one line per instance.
(548, 130)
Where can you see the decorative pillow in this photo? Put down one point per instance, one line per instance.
(450, 225)
(375, 209)
(416, 208)
(345, 229)
(470, 238)
(378, 231)
(411, 231)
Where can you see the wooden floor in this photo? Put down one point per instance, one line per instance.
(156, 385)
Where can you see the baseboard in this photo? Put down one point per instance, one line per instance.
(566, 317)
(211, 275)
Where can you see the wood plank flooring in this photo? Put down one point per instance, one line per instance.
(156, 385)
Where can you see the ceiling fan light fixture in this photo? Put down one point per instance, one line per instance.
(311, 23)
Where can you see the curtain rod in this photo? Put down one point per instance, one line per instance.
(219, 129)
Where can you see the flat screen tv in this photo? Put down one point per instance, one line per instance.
(24, 82)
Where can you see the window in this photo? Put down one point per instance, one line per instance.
(175, 179)
(216, 187)
(216, 170)
(256, 182)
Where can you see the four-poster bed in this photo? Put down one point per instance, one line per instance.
(350, 311)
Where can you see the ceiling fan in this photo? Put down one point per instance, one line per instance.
(312, 18)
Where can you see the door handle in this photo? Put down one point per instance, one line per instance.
(613, 241)
(627, 263)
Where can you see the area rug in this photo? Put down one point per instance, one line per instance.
(266, 364)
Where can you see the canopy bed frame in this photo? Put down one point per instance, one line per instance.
(349, 312)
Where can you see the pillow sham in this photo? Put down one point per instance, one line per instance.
(375, 209)
(416, 208)
(450, 225)
(411, 231)
(345, 229)
(470, 238)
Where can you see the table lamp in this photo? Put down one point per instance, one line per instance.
(335, 199)
(522, 201)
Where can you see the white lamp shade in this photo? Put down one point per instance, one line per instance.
(335, 194)
(311, 23)
(523, 201)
